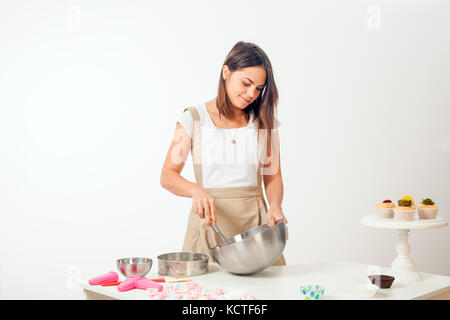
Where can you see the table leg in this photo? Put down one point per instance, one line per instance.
(403, 266)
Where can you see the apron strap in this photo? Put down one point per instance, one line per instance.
(196, 146)
(259, 173)
(262, 154)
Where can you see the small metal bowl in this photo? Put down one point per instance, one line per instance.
(134, 266)
(182, 264)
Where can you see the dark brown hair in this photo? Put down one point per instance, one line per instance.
(243, 55)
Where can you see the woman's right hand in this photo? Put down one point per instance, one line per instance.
(204, 205)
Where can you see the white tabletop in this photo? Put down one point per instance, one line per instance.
(391, 223)
(283, 282)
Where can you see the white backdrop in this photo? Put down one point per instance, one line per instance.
(90, 92)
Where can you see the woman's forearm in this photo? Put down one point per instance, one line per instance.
(274, 191)
(175, 183)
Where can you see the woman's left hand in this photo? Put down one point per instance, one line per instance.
(274, 214)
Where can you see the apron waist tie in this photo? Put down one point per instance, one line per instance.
(241, 192)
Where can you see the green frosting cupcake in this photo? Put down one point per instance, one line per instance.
(427, 202)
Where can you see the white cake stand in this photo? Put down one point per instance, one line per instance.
(403, 267)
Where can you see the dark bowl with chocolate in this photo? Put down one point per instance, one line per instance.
(382, 280)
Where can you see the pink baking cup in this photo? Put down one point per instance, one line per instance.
(218, 291)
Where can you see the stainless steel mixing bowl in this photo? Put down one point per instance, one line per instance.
(182, 264)
(134, 266)
(253, 250)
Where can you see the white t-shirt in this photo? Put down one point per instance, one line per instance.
(225, 165)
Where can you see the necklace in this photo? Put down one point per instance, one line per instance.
(233, 139)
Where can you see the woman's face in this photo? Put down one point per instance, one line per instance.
(244, 85)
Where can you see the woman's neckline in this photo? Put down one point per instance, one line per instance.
(249, 124)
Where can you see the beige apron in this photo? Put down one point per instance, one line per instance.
(237, 209)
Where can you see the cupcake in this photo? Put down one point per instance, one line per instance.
(409, 198)
(405, 210)
(385, 209)
(428, 210)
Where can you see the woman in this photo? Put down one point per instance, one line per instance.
(238, 123)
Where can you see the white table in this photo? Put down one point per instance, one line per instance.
(404, 269)
(283, 282)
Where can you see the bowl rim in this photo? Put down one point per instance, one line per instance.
(146, 260)
(313, 287)
(237, 239)
(202, 256)
(382, 277)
